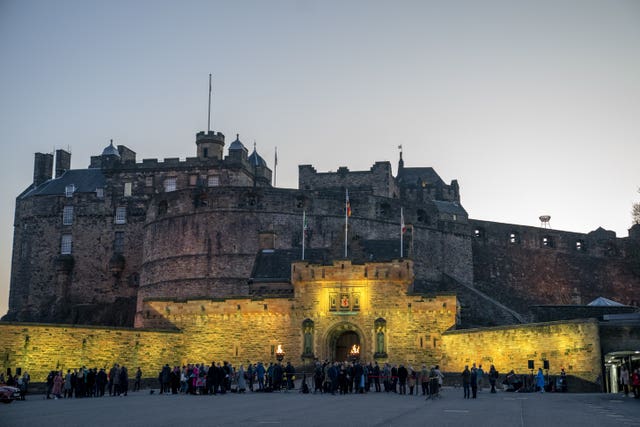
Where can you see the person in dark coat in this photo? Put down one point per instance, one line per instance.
(402, 379)
(124, 380)
(473, 380)
(101, 381)
(466, 380)
(493, 377)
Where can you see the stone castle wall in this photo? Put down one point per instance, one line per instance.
(573, 345)
(40, 348)
(573, 269)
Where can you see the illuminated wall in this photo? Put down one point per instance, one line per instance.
(572, 344)
(39, 348)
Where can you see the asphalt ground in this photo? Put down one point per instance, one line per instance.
(296, 409)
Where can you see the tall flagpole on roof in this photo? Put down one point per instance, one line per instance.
(275, 167)
(347, 210)
(401, 231)
(209, 112)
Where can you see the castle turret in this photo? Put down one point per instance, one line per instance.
(237, 151)
(210, 145)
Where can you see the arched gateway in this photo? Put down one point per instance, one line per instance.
(340, 340)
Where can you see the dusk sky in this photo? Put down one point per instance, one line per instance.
(534, 107)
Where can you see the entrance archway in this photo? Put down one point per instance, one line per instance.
(340, 338)
(343, 345)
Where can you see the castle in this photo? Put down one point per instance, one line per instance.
(208, 244)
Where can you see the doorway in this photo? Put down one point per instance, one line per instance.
(343, 345)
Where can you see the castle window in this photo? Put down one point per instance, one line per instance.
(67, 215)
(580, 246)
(213, 181)
(148, 181)
(454, 217)
(514, 238)
(127, 189)
(69, 190)
(205, 152)
(66, 244)
(547, 241)
(118, 242)
(170, 184)
(478, 233)
(100, 193)
(121, 215)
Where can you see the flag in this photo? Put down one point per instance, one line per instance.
(348, 205)
(275, 162)
(403, 227)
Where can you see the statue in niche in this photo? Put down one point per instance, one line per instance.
(308, 337)
(380, 341)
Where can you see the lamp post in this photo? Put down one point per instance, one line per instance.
(279, 353)
(354, 353)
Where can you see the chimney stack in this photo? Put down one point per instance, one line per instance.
(42, 168)
(63, 162)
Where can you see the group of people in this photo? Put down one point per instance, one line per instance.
(355, 377)
(90, 382)
(223, 377)
(472, 380)
(17, 380)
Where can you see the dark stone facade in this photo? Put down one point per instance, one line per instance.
(198, 228)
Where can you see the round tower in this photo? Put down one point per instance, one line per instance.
(210, 145)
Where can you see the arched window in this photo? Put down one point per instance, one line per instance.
(307, 331)
(380, 327)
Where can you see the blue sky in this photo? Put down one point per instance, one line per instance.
(532, 106)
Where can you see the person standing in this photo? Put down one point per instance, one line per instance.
(124, 380)
(136, 385)
(624, 379)
(466, 380)
(493, 377)
(57, 385)
(480, 377)
(473, 381)
(260, 371)
(67, 392)
(242, 381)
(540, 380)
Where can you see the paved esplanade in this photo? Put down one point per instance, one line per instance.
(296, 409)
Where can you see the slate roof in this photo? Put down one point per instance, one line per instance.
(85, 181)
(274, 265)
(604, 302)
(414, 177)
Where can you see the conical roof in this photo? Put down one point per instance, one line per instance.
(255, 159)
(110, 150)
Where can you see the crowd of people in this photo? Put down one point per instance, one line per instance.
(323, 377)
(90, 382)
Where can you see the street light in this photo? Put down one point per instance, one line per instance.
(279, 353)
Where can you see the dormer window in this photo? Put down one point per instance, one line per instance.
(478, 233)
(514, 238)
(69, 190)
(100, 193)
(547, 241)
(580, 246)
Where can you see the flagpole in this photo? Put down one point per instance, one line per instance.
(275, 168)
(401, 231)
(346, 221)
(304, 231)
(209, 112)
